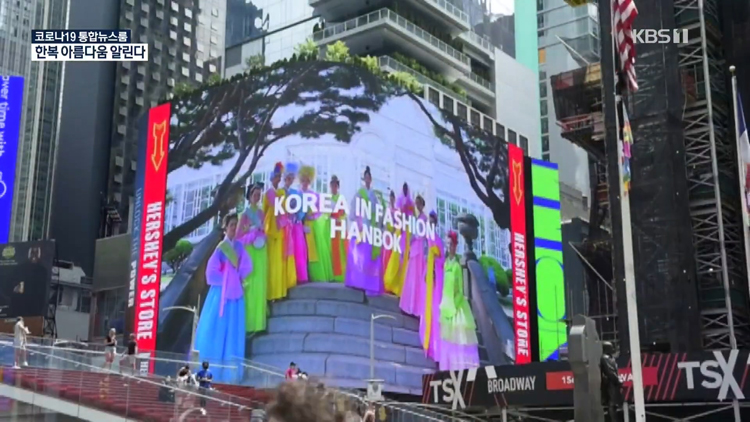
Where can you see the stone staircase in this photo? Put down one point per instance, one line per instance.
(325, 329)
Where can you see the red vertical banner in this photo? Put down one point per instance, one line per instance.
(521, 312)
(152, 231)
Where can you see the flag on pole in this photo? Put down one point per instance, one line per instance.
(624, 13)
(744, 151)
(627, 142)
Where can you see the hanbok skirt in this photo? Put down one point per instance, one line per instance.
(256, 290)
(459, 346)
(220, 340)
(321, 267)
(362, 271)
(276, 271)
(412, 295)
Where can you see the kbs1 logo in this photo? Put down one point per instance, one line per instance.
(660, 36)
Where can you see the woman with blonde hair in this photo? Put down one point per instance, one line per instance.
(317, 232)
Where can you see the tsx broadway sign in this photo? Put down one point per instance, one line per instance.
(677, 377)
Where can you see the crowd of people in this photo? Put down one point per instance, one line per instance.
(265, 253)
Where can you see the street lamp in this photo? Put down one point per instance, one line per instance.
(373, 318)
(195, 310)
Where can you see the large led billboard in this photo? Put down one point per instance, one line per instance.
(11, 109)
(296, 204)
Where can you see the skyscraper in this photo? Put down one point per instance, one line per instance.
(568, 39)
(38, 132)
(186, 43)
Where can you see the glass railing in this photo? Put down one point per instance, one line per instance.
(481, 81)
(478, 40)
(383, 15)
(68, 376)
(388, 61)
(451, 9)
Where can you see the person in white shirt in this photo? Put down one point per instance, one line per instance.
(20, 338)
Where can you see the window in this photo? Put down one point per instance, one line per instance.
(189, 13)
(186, 57)
(461, 111)
(512, 137)
(185, 71)
(215, 12)
(542, 56)
(175, 7)
(500, 131)
(545, 143)
(448, 103)
(543, 108)
(545, 125)
(542, 75)
(475, 119)
(187, 27)
(540, 21)
(525, 145)
(546, 156)
(543, 89)
(539, 5)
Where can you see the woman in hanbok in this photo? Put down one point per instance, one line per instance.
(251, 234)
(387, 253)
(395, 270)
(429, 323)
(295, 243)
(220, 336)
(364, 266)
(459, 348)
(339, 242)
(317, 233)
(412, 295)
(277, 271)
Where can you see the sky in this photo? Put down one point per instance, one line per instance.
(501, 7)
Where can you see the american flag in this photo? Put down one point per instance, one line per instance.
(624, 13)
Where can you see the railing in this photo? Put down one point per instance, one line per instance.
(479, 40)
(63, 375)
(451, 9)
(423, 79)
(481, 81)
(393, 17)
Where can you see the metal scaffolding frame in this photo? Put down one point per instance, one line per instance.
(711, 175)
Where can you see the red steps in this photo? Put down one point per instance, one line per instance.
(133, 397)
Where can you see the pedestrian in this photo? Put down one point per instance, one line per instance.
(110, 349)
(128, 356)
(20, 339)
(205, 378)
(291, 372)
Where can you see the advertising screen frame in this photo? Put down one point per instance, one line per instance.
(11, 111)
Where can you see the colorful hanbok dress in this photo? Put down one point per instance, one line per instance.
(364, 266)
(429, 323)
(395, 270)
(296, 233)
(251, 234)
(387, 253)
(288, 261)
(412, 296)
(220, 336)
(339, 243)
(318, 237)
(459, 348)
(275, 238)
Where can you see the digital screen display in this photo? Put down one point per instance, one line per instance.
(548, 254)
(11, 109)
(298, 205)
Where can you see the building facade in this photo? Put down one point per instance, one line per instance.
(462, 51)
(568, 39)
(38, 131)
(186, 44)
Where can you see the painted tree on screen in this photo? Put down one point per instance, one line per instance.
(235, 123)
(483, 156)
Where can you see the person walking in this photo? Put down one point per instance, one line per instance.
(20, 339)
(128, 356)
(205, 379)
(110, 349)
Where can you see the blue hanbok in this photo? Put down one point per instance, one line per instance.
(220, 337)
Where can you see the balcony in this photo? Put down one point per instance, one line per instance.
(389, 64)
(452, 18)
(479, 89)
(384, 28)
(479, 45)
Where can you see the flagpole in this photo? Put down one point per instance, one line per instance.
(634, 334)
(631, 302)
(742, 172)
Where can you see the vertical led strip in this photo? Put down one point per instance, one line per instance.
(521, 316)
(548, 253)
